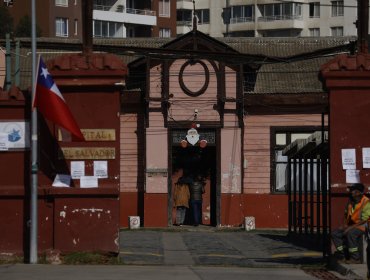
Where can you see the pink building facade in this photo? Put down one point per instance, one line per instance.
(207, 95)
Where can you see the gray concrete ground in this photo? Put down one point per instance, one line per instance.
(132, 272)
(200, 253)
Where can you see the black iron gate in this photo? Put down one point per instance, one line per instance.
(308, 189)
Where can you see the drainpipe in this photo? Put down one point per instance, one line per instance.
(87, 22)
(8, 63)
(17, 69)
(228, 23)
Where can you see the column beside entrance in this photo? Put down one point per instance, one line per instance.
(156, 173)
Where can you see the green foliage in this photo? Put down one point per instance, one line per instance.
(6, 21)
(24, 28)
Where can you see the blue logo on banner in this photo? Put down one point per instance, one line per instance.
(14, 136)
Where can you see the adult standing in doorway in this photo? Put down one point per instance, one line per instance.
(196, 193)
(181, 200)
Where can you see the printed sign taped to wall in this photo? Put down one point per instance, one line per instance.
(17, 134)
(250, 223)
(134, 222)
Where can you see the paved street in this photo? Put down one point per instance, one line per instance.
(62, 272)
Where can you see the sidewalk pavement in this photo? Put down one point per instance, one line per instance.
(209, 246)
(350, 271)
(189, 249)
(206, 246)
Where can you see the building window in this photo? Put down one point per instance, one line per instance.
(165, 33)
(281, 11)
(164, 8)
(108, 29)
(184, 17)
(337, 31)
(61, 3)
(61, 27)
(337, 8)
(314, 9)
(282, 137)
(314, 32)
(76, 27)
(203, 16)
(243, 13)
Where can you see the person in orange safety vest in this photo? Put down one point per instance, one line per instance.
(348, 238)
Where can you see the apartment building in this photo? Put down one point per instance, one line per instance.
(269, 18)
(111, 18)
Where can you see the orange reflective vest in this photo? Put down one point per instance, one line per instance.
(353, 214)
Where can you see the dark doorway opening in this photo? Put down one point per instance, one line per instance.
(197, 161)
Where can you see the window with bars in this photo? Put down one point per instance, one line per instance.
(62, 3)
(164, 8)
(61, 27)
(337, 8)
(281, 137)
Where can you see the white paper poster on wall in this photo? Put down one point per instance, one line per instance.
(88, 182)
(4, 146)
(349, 158)
(62, 181)
(77, 169)
(352, 176)
(17, 134)
(101, 168)
(366, 157)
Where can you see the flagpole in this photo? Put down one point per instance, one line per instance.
(34, 167)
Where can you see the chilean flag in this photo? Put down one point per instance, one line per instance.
(51, 104)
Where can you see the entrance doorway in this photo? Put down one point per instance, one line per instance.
(196, 161)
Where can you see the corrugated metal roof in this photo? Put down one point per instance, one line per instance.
(290, 76)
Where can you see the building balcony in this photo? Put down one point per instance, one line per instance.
(184, 4)
(280, 22)
(241, 24)
(118, 13)
(183, 27)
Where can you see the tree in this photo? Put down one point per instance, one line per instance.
(6, 21)
(23, 28)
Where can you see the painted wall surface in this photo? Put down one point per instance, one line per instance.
(257, 146)
(155, 210)
(231, 156)
(99, 219)
(130, 153)
(348, 130)
(270, 211)
(156, 155)
(182, 106)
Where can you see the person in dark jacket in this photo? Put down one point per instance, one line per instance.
(196, 194)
